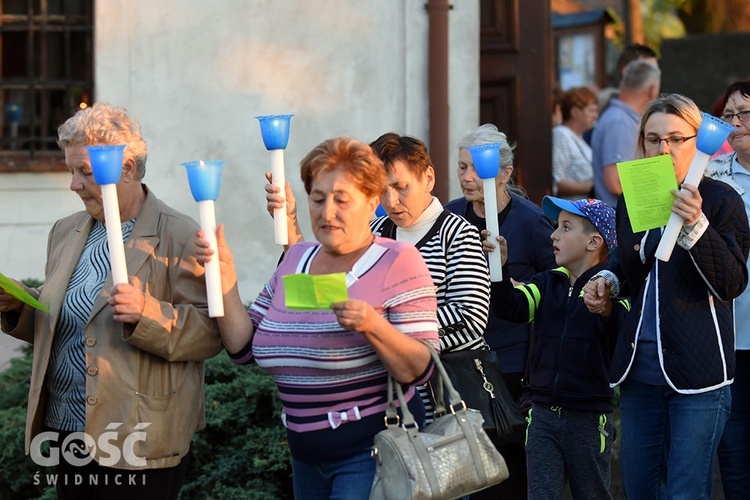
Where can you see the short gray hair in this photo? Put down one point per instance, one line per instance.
(639, 74)
(102, 124)
(487, 134)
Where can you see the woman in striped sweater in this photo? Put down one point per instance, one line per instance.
(450, 245)
(331, 365)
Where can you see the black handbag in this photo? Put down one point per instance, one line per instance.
(476, 375)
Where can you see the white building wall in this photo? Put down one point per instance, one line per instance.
(195, 73)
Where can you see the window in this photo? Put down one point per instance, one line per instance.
(576, 58)
(46, 74)
(580, 47)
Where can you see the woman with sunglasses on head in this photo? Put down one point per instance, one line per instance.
(674, 357)
(734, 169)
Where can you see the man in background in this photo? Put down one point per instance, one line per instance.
(615, 134)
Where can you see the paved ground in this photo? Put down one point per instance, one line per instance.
(8, 349)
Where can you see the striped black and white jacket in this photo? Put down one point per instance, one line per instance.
(452, 250)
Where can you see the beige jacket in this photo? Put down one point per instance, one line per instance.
(148, 373)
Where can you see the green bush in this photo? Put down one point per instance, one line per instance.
(17, 479)
(242, 453)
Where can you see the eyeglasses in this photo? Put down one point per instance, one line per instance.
(742, 115)
(672, 140)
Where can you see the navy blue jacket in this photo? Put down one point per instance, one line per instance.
(572, 348)
(695, 289)
(528, 232)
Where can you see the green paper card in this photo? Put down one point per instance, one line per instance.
(647, 185)
(306, 292)
(19, 293)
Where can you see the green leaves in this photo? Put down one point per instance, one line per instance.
(242, 453)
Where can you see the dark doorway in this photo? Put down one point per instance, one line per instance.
(516, 85)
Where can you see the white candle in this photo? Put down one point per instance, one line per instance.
(281, 235)
(490, 212)
(114, 234)
(213, 272)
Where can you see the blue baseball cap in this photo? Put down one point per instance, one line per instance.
(601, 215)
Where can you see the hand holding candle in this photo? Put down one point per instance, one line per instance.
(275, 132)
(711, 135)
(486, 158)
(204, 178)
(106, 165)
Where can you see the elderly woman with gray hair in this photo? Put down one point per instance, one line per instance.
(121, 364)
(524, 224)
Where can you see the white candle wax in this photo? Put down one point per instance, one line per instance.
(213, 272)
(281, 235)
(490, 212)
(114, 234)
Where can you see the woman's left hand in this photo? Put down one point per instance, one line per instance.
(405, 358)
(127, 303)
(487, 245)
(355, 315)
(688, 204)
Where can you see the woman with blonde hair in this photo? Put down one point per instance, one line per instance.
(131, 353)
(674, 358)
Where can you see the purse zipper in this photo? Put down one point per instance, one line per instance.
(447, 442)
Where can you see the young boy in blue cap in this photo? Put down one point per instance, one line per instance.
(570, 432)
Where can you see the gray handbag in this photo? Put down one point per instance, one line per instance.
(450, 458)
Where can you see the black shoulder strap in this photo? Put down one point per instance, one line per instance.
(388, 229)
(434, 229)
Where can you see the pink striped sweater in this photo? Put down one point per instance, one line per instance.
(331, 382)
